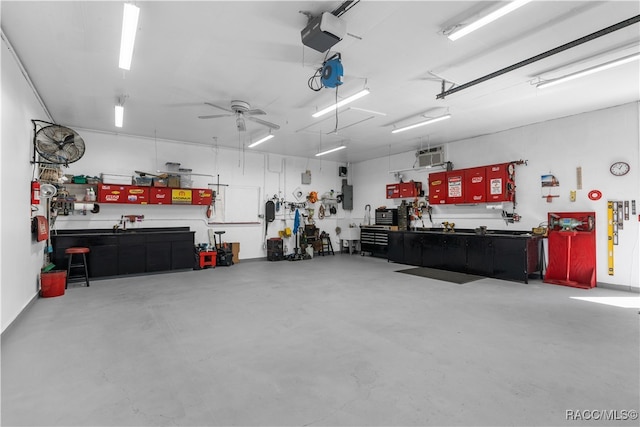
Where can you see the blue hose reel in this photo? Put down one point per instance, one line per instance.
(332, 72)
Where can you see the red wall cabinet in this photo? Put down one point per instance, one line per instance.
(201, 196)
(137, 195)
(131, 194)
(160, 196)
(403, 190)
(455, 186)
(501, 182)
(438, 188)
(393, 191)
(108, 193)
(474, 185)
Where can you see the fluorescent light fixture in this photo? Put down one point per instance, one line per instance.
(331, 151)
(119, 115)
(129, 28)
(339, 104)
(590, 70)
(260, 141)
(510, 7)
(426, 122)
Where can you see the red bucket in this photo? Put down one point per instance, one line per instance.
(52, 283)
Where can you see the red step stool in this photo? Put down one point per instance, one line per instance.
(208, 259)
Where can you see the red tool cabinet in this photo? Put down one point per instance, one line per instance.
(572, 249)
(403, 190)
(474, 185)
(455, 186)
(160, 196)
(438, 188)
(501, 185)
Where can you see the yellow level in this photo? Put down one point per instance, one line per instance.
(610, 236)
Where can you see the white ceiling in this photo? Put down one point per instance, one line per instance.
(189, 53)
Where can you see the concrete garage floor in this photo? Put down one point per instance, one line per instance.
(338, 340)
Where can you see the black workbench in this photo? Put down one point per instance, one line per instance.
(510, 255)
(135, 251)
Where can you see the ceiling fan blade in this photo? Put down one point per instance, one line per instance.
(219, 107)
(255, 112)
(264, 122)
(214, 116)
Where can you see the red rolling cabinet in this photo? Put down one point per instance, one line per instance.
(438, 188)
(572, 249)
(474, 185)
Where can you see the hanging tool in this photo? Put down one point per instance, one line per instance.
(610, 237)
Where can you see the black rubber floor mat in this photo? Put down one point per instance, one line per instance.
(447, 276)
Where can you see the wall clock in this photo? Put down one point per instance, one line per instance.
(619, 168)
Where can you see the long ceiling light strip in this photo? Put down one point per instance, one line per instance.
(339, 104)
(260, 141)
(423, 123)
(331, 150)
(510, 7)
(119, 115)
(590, 70)
(129, 28)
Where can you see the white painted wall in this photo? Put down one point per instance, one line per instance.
(21, 257)
(591, 140)
(274, 175)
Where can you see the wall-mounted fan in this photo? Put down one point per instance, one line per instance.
(241, 110)
(58, 144)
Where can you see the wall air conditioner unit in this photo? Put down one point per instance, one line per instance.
(323, 31)
(431, 156)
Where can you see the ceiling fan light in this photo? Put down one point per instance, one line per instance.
(128, 37)
(119, 115)
(322, 153)
(260, 141)
(339, 104)
(423, 123)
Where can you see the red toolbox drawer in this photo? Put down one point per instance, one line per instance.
(160, 196)
(201, 196)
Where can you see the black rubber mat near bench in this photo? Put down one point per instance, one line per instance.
(447, 276)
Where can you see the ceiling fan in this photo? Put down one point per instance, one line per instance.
(241, 110)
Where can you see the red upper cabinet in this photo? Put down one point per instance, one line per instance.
(455, 186)
(404, 190)
(501, 182)
(393, 191)
(137, 195)
(160, 196)
(475, 186)
(438, 188)
(201, 196)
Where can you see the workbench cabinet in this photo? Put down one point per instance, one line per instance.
(504, 256)
(130, 252)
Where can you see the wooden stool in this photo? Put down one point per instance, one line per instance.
(80, 251)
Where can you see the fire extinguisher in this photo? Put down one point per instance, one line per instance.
(35, 192)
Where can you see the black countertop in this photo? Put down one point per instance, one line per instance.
(111, 232)
(462, 232)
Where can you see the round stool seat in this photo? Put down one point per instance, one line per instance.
(76, 250)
